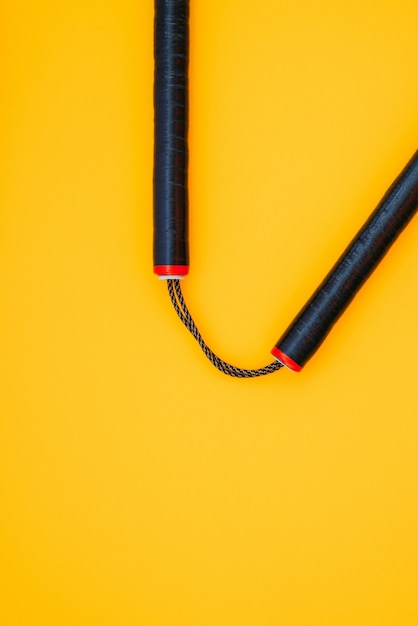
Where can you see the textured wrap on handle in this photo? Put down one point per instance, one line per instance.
(171, 50)
(310, 327)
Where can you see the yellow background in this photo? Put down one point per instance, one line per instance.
(139, 486)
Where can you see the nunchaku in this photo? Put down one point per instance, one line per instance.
(171, 247)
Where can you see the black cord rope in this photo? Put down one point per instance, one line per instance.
(176, 295)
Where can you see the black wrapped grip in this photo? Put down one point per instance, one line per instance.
(309, 329)
(171, 51)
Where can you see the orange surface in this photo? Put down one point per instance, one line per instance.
(139, 485)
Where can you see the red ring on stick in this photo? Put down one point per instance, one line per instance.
(286, 360)
(171, 270)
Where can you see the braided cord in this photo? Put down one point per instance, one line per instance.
(176, 296)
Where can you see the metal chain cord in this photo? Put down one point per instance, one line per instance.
(176, 296)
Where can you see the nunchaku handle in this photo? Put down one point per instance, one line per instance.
(313, 323)
(171, 51)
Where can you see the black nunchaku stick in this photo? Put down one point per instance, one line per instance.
(171, 249)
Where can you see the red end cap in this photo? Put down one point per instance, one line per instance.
(286, 360)
(171, 270)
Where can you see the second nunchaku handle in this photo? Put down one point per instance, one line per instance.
(310, 327)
